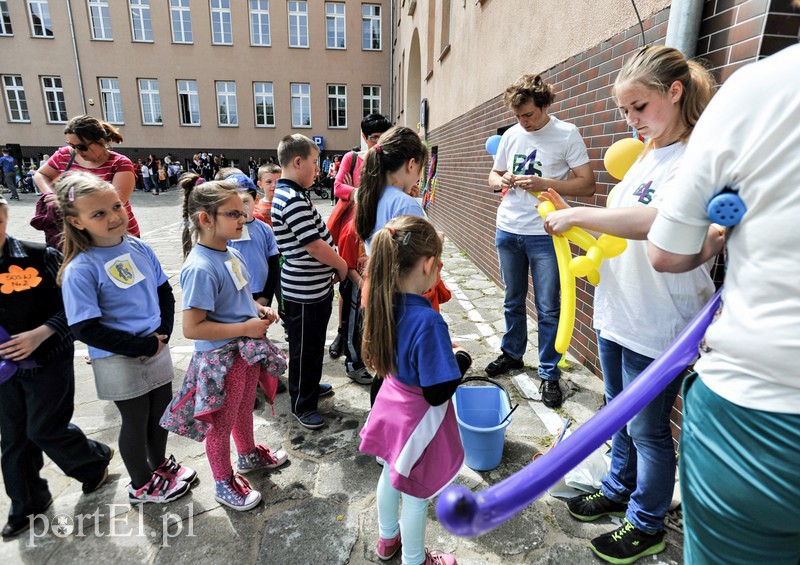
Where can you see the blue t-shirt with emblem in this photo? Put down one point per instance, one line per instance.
(217, 282)
(116, 284)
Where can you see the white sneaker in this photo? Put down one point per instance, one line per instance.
(361, 376)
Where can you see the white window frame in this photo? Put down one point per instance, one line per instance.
(16, 103)
(263, 97)
(221, 22)
(337, 106)
(260, 33)
(227, 110)
(335, 16)
(180, 16)
(41, 9)
(298, 20)
(141, 21)
(150, 101)
(54, 102)
(100, 20)
(370, 20)
(301, 103)
(370, 99)
(188, 101)
(5, 19)
(111, 100)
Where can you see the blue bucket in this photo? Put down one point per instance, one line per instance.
(483, 414)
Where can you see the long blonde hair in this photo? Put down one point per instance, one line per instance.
(656, 67)
(70, 188)
(396, 249)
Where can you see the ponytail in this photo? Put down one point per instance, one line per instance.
(394, 149)
(396, 250)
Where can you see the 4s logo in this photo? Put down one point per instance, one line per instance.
(645, 193)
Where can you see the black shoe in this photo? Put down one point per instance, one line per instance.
(464, 361)
(590, 507)
(337, 346)
(13, 529)
(503, 364)
(551, 394)
(626, 544)
(94, 484)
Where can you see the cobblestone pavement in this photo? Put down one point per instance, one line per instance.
(320, 507)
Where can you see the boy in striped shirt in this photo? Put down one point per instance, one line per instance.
(311, 267)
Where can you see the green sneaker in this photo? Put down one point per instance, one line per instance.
(626, 544)
(590, 507)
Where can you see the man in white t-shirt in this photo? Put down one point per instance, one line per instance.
(740, 438)
(537, 153)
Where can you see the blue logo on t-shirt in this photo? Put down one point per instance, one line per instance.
(527, 165)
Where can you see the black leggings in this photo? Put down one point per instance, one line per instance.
(142, 442)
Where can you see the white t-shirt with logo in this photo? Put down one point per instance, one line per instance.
(550, 152)
(634, 305)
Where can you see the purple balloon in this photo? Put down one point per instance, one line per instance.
(8, 368)
(471, 514)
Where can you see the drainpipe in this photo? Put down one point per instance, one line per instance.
(75, 55)
(683, 27)
(391, 60)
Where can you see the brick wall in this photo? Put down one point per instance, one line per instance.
(732, 33)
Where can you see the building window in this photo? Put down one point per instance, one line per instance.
(371, 27)
(100, 19)
(181, 18)
(301, 105)
(141, 25)
(221, 32)
(151, 102)
(54, 100)
(39, 13)
(226, 104)
(298, 24)
(259, 23)
(111, 98)
(188, 103)
(334, 25)
(371, 100)
(264, 102)
(337, 106)
(16, 104)
(5, 19)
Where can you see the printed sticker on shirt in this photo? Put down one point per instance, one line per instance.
(123, 272)
(245, 234)
(18, 279)
(234, 267)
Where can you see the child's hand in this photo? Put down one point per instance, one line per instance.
(162, 343)
(347, 179)
(268, 314)
(551, 195)
(255, 328)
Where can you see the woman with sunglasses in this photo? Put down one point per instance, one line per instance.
(87, 149)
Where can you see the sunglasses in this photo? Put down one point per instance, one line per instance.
(232, 214)
(78, 146)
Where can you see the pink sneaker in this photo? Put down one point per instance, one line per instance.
(436, 557)
(171, 469)
(388, 547)
(261, 458)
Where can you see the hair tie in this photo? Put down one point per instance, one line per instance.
(392, 231)
(200, 180)
(378, 148)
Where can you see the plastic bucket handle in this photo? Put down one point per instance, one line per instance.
(498, 385)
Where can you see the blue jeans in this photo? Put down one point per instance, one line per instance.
(519, 254)
(642, 453)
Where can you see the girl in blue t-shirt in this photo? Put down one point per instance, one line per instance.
(118, 301)
(412, 426)
(232, 354)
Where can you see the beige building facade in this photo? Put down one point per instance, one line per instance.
(185, 76)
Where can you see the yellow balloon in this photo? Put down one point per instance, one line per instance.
(612, 245)
(566, 318)
(621, 155)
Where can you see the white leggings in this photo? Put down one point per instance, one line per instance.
(411, 522)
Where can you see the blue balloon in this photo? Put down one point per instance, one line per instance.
(465, 513)
(492, 144)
